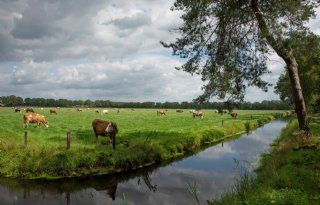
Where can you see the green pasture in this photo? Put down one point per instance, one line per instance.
(143, 138)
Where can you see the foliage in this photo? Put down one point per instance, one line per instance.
(143, 138)
(227, 42)
(307, 53)
(42, 102)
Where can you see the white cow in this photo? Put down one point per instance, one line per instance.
(105, 111)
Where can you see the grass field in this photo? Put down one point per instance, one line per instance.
(143, 138)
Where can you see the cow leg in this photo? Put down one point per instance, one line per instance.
(97, 139)
(110, 138)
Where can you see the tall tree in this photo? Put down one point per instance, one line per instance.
(307, 53)
(228, 42)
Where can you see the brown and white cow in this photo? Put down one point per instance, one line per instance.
(53, 111)
(34, 118)
(79, 110)
(197, 114)
(234, 114)
(179, 110)
(161, 112)
(105, 128)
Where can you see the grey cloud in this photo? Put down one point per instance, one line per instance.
(135, 21)
(60, 36)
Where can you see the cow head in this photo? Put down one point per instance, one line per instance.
(109, 128)
(46, 124)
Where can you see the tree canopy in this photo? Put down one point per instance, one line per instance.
(228, 42)
(308, 57)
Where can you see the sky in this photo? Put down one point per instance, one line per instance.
(99, 50)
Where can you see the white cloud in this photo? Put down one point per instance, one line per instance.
(104, 49)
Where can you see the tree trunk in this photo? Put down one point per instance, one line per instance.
(300, 106)
(292, 66)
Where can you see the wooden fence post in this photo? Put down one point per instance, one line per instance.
(25, 138)
(222, 122)
(114, 141)
(68, 140)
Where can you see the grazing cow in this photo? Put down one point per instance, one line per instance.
(105, 128)
(197, 114)
(79, 110)
(233, 114)
(161, 112)
(192, 111)
(34, 118)
(53, 111)
(17, 110)
(179, 110)
(132, 109)
(29, 109)
(97, 111)
(105, 111)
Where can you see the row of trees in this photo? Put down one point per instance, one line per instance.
(42, 102)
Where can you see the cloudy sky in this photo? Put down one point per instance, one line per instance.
(98, 49)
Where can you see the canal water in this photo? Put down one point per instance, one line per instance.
(212, 172)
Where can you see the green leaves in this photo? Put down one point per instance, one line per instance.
(227, 45)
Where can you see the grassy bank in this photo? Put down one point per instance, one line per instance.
(144, 138)
(289, 174)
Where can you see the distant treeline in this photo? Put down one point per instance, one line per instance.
(42, 102)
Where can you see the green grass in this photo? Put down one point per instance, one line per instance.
(143, 138)
(289, 174)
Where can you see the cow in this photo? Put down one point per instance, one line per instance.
(105, 128)
(29, 109)
(34, 118)
(97, 111)
(234, 114)
(105, 111)
(197, 114)
(17, 110)
(179, 110)
(220, 111)
(192, 111)
(79, 110)
(161, 112)
(53, 111)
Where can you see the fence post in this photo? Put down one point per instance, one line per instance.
(25, 138)
(114, 141)
(222, 122)
(68, 140)
(251, 117)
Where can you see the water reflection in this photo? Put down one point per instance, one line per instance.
(213, 171)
